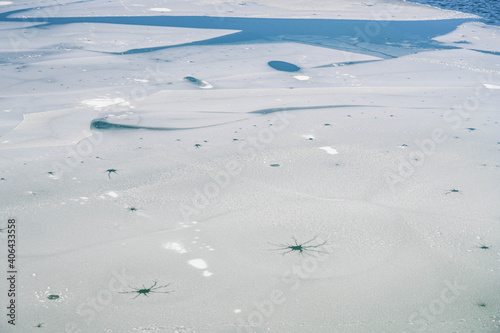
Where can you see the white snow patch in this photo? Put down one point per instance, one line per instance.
(329, 150)
(176, 247)
(160, 9)
(207, 273)
(198, 263)
(112, 194)
(104, 102)
(491, 86)
(5, 3)
(302, 77)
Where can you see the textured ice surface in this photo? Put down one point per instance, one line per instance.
(122, 171)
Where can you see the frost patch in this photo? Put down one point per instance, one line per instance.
(302, 77)
(329, 150)
(198, 263)
(201, 264)
(176, 247)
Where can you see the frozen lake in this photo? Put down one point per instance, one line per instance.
(265, 166)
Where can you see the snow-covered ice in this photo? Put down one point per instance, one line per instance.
(261, 166)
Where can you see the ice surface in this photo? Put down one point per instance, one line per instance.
(147, 144)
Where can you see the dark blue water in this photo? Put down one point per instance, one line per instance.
(283, 66)
(489, 10)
